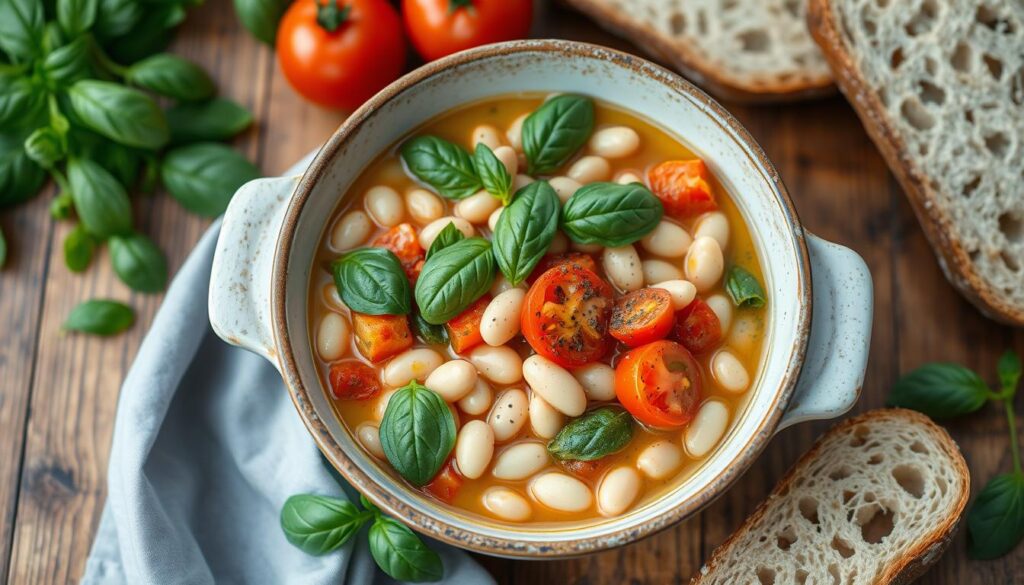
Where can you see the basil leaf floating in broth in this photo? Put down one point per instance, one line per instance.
(417, 433)
(319, 524)
(598, 433)
(555, 131)
(100, 317)
(139, 263)
(428, 332)
(492, 173)
(453, 278)
(525, 230)
(401, 554)
(744, 289)
(372, 281)
(448, 235)
(610, 214)
(442, 165)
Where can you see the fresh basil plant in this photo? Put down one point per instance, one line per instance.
(610, 214)
(594, 435)
(555, 131)
(525, 230)
(372, 281)
(444, 166)
(453, 278)
(417, 433)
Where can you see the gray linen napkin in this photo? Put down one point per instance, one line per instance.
(207, 447)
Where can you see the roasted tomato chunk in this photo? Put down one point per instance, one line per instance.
(659, 384)
(353, 380)
(464, 329)
(379, 337)
(445, 484)
(587, 470)
(684, 187)
(697, 327)
(642, 316)
(404, 242)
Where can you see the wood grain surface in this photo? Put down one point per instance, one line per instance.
(58, 393)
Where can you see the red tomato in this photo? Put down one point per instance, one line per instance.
(340, 52)
(565, 318)
(642, 316)
(659, 384)
(587, 470)
(464, 329)
(551, 260)
(353, 381)
(379, 337)
(684, 187)
(445, 484)
(442, 27)
(403, 241)
(697, 327)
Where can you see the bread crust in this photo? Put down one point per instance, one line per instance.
(916, 561)
(934, 219)
(693, 66)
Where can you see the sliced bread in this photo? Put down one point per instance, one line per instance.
(743, 50)
(939, 85)
(875, 501)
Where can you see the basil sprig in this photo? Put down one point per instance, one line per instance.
(401, 554)
(492, 172)
(610, 214)
(594, 435)
(743, 288)
(203, 177)
(442, 165)
(120, 113)
(372, 281)
(100, 317)
(941, 391)
(448, 235)
(171, 76)
(555, 131)
(417, 433)
(100, 200)
(525, 230)
(453, 278)
(216, 119)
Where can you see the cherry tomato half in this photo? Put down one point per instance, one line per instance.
(659, 384)
(551, 260)
(353, 381)
(338, 53)
(442, 27)
(404, 243)
(566, 314)
(697, 327)
(683, 186)
(642, 316)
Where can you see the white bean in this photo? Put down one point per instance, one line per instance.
(424, 207)
(682, 292)
(668, 240)
(520, 460)
(722, 307)
(452, 380)
(507, 504)
(381, 406)
(706, 429)
(411, 364)
(478, 401)
(544, 419)
(617, 491)
(659, 271)
(351, 230)
(332, 337)
(623, 268)
(615, 142)
(492, 219)
(589, 169)
(430, 231)
(586, 248)
(659, 459)
(501, 365)
(559, 244)
(515, 132)
(629, 177)
(555, 385)
(704, 263)
(598, 381)
(713, 225)
(486, 134)
(332, 299)
(509, 414)
(501, 318)
(369, 437)
(477, 207)
(384, 205)
(729, 372)
(561, 492)
(521, 180)
(508, 157)
(744, 334)
(564, 187)
(474, 448)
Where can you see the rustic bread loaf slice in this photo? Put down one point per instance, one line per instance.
(939, 85)
(875, 501)
(745, 50)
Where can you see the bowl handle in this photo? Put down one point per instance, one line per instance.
(241, 277)
(837, 351)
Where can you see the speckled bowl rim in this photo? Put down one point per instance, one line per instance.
(435, 525)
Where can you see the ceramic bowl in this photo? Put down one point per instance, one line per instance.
(818, 320)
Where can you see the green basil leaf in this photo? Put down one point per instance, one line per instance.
(100, 317)
(401, 554)
(372, 281)
(1009, 369)
(20, 176)
(3, 249)
(100, 200)
(122, 161)
(525, 229)
(553, 133)
(417, 433)
(139, 263)
(205, 176)
(122, 114)
(19, 99)
(45, 147)
(217, 119)
(610, 214)
(319, 524)
(492, 172)
(940, 390)
(62, 206)
(365, 502)
(448, 235)
(172, 76)
(79, 247)
(117, 17)
(76, 16)
(68, 64)
(995, 523)
(151, 33)
(743, 288)
(428, 332)
(453, 278)
(21, 29)
(598, 433)
(260, 17)
(442, 165)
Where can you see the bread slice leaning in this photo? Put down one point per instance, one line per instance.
(875, 501)
(939, 86)
(742, 50)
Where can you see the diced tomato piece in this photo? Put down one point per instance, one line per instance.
(588, 470)
(683, 186)
(353, 380)
(464, 328)
(551, 260)
(403, 241)
(379, 337)
(659, 384)
(697, 327)
(642, 316)
(445, 484)
(565, 316)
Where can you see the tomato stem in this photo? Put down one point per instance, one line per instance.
(330, 16)
(454, 5)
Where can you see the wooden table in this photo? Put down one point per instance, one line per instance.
(58, 393)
